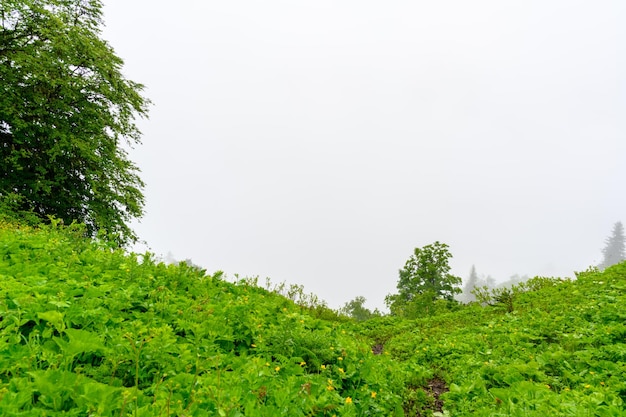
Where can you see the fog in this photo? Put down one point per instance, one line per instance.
(318, 143)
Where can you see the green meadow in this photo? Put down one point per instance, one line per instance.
(88, 329)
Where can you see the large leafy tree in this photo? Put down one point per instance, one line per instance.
(615, 249)
(66, 113)
(357, 310)
(427, 272)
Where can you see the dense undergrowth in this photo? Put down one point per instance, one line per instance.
(554, 348)
(90, 330)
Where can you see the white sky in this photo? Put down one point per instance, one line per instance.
(319, 142)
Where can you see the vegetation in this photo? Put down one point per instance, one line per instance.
(472, 282)
(615, 249)
(65, 108)
(559, 351)
(356, 309)
(425, 285)
(87, 329)
(90, 330)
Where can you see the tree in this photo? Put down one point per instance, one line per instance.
(427, 272)
(471, 283)
(357, 310)
(65, 112)
(424, 280)
(614, 251)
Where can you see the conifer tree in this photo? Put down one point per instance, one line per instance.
(471, 283)
(615, 250)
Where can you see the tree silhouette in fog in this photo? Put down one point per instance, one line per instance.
(614, 252)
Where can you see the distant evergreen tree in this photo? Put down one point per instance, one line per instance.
(471, 283)
(615, 249)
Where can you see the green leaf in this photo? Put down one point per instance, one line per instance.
(80, 341)
(53, 317)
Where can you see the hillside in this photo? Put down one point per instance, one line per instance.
(550, 347)
(90, 330)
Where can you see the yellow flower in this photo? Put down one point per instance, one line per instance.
(277, 368)
(302, 363)
(348, 400)
(253, 345)
(587, 386)
(340, 358)
(373, 394)
(341, 371)
(330, 388)
(323, 366)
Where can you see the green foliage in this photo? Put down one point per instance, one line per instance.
(308, 302)
(88, 329)
(356, 309)
(64, 109)
(506, 296)
(425, 285)
(426, 272)
(549, 347)
(10, 209)
(421, 305)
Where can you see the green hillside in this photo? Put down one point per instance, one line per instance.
(551, 347)
(89, 330)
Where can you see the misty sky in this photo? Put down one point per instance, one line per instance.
(319, 142)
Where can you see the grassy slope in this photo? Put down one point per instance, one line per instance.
(88, 330)
(561, 351)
